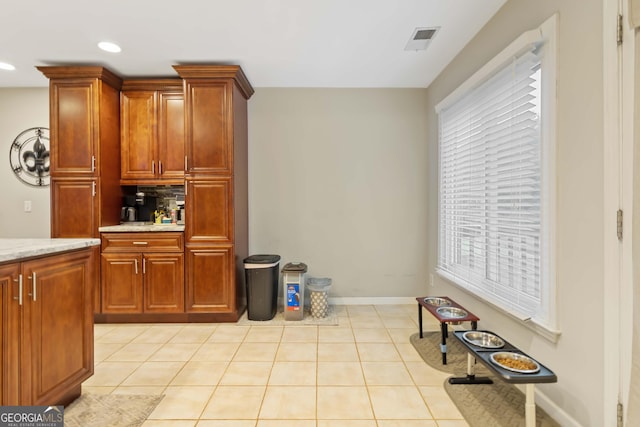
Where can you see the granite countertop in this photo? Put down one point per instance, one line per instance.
(17, 249)
(140, 227)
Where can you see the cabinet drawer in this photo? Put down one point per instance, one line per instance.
(143, 242)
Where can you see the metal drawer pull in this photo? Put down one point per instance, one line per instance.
(153, 166)
(136, 266)
(140, 243)
(33, 285)
(144, 266)
(93, 163)
(159, 167)
(19, 297)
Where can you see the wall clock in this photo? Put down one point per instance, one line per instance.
(29, 156)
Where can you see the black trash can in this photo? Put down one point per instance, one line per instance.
(262, 273)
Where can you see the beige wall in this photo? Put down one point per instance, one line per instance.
(21, 109)
(338, 180)
(577, 358)
(345, 180)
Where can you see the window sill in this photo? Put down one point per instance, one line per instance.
(544, 331)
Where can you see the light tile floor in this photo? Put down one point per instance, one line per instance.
(362, 373)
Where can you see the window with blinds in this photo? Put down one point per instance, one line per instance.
(492, 186)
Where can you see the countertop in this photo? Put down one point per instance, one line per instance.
(140, 228)
(17, 249)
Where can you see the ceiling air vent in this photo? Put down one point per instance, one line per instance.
(421, 37)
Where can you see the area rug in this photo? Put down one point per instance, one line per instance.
(331, 319)
(109, 410)
(497, 405)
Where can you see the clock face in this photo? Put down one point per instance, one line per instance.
(29, 156)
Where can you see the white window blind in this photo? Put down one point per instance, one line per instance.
(490, 189)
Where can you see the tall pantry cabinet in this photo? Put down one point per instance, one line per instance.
(84, 110)
(191, 130)
(216, 230)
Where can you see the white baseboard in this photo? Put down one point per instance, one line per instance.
(371, 300)
(554, 411)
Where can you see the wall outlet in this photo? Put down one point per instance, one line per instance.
(431, 279)
(27, 205)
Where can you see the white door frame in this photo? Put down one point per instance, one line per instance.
(619, 98)
(618, 179)
(628, 103)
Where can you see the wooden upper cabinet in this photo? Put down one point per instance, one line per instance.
(77, 211)
(209, 115)
(208, 128)
(171, 134)
(83, 120)
(138, 148)
(152, 131)
(73, 127)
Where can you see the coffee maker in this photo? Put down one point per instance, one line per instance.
(137, 208)
(146, 205)
(128, 213)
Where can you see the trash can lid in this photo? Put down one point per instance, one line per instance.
(318, 284)
(294, 267)
(262, 259)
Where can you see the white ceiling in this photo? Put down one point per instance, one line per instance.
(278, 43)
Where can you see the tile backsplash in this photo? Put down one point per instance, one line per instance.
(166, 196)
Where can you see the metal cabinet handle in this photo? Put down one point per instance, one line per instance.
(144, 266)
(153, 166)
(136, 261)
(19, 297)
(159, 167)
(185, 163)
(93, 189)
(93, 163)
(140, 243)
(33, 285)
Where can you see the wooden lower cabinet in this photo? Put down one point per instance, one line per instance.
(210, 279)
(142, 273)
(47, 328)
(10, 330)
(142, 283)
(153, 277)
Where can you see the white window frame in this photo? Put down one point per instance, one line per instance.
(545, 320)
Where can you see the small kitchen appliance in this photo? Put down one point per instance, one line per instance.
(137, 208)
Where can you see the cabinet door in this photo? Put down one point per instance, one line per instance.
(9, 334)
(210, 279)
(171, 135)
(209, 211)
(163, 283)
(121, 283)
(208, 126)
(58, 326)
(74, 207)
(138, 149)
(74, 131)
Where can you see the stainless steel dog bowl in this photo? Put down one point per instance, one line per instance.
(451, 312)
(483, 339)
(437, 302)
(515, 362)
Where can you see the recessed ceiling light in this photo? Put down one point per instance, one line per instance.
(5, 66)
(109, 47)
